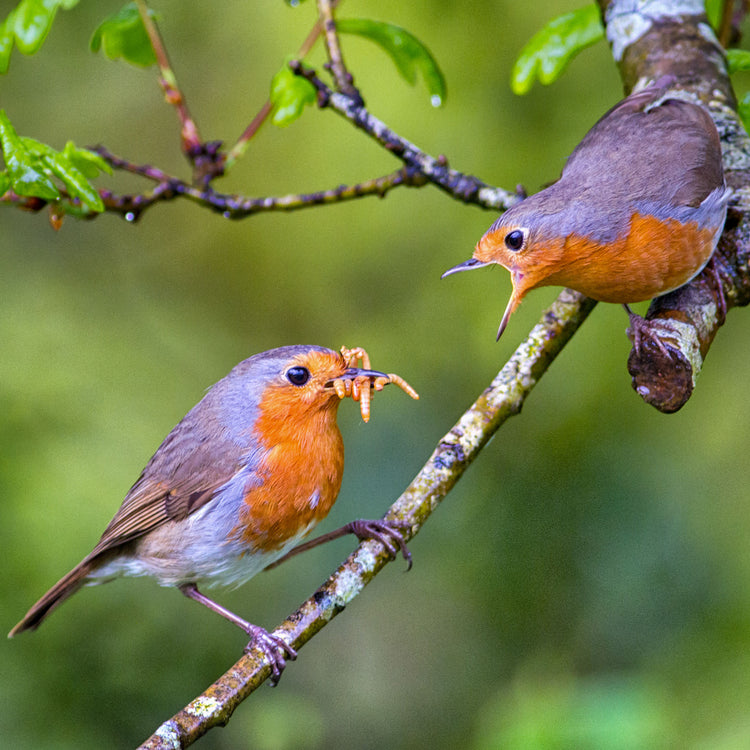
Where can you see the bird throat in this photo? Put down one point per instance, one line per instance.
(300, 474)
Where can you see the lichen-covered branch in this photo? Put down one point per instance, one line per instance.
(239, 207)
(503, 398)
(651, 39)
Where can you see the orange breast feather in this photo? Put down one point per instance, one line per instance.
(655, 257)
(301, 475)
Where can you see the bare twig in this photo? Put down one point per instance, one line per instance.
(725, 23)
(466, 188)
(191, 141)
(733, 13)
(239, 207)
(342, 77)
(454, 453)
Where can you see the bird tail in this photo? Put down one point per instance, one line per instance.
(64, 588)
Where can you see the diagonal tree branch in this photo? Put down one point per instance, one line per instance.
(503, 398)
(649, 41)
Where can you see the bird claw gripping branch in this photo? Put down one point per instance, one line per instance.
(355, 386)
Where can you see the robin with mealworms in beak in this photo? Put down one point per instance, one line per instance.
(235, 486)
(636, 213)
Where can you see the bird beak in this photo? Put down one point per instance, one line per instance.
(467, 265)
(513, 302)
(515, 297)
(357, 372)
(506, 317)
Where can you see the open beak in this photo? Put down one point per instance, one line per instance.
(513, 302)
(506, 317)
(515, 298)
(467, 265)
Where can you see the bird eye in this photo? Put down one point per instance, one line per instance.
(298, 375)
(514, 240)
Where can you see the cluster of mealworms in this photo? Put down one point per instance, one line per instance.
(359, 388)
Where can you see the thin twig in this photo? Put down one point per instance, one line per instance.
(454, 453)
(464, 187)
(234, 206)
(725, 23)
(240, 147)
(342, 77)
(461, 187)
(191, 141)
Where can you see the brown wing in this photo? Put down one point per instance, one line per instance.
(669, 152)
(151, 504)
(193, 462)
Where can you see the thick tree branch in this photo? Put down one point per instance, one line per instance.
(647, 42)
(503, 398)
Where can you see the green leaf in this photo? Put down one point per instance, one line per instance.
(123, 35)
(74, 180)
(87, 161)
(743, 109)
(25, 176)
(28, 25)
(407, 52)
(7, 38)
(65, 166)
(31, 23)
(713, 11)
(31, 165)
(289, 95)
(738, 59)
(546, 55)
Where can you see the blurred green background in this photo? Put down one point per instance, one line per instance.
(587, 583)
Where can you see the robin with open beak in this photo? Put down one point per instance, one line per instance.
(636, 213)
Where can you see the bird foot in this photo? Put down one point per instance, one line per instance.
(388, 533)
(640, 331)
(714, 271)
(276, 650)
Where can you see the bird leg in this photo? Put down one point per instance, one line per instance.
(640, 330)
(386, 532)
(275, 649)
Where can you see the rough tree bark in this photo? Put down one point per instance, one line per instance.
(648, 41)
